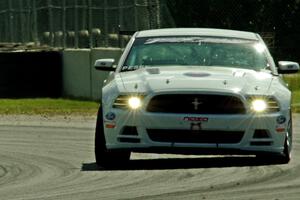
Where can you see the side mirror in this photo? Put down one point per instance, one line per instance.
(105, 64)
(287, 67)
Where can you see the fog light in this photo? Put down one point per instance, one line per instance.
(134, 102)
(259, 105)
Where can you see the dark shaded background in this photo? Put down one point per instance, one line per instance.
(39, 74)
(30, 74)
(278, 17)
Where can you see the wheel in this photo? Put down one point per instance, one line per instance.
(286, 157)
(288, 143)
(105, 157)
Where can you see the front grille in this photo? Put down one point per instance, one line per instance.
(196, 104)
(189, 136)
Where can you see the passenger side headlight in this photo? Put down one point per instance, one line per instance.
(259, 105)
(132, 102)
(263, 104)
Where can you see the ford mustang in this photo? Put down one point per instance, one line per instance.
(197, 91)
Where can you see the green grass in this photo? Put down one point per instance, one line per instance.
(48, 106)
(293, 81)
(296, 101)
(294, 85)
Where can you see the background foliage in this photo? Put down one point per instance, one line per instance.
(278, 17)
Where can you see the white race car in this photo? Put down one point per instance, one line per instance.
(193, 90)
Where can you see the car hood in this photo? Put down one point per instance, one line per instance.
(214, 79)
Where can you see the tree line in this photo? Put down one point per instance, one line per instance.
(279, 18)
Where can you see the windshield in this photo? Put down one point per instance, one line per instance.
(196, 51)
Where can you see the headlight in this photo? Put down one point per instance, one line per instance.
(265, 104)
(259, 105)
(128, 102)
(134, 102)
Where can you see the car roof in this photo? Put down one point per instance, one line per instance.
(198, 32)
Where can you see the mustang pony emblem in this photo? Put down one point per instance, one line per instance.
(196, 103)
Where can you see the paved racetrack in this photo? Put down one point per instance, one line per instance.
(53, 158)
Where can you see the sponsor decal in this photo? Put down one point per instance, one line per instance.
(281, 119)
(196, 119)
(110, 116)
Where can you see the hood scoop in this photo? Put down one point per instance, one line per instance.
(196, 74)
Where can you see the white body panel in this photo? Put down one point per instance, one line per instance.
(236, 82)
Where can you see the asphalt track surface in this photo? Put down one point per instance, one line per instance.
(53, 158)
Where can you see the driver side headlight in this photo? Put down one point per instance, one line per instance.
(134, 102)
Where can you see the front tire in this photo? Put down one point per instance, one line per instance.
(287, 152)
(105, 157)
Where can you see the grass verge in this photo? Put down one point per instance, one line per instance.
(296, 101)
(42, 106)
(293, 82)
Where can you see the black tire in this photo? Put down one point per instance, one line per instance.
(105, 157)
(288, 143)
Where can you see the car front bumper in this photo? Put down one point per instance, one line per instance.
(203, 134)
